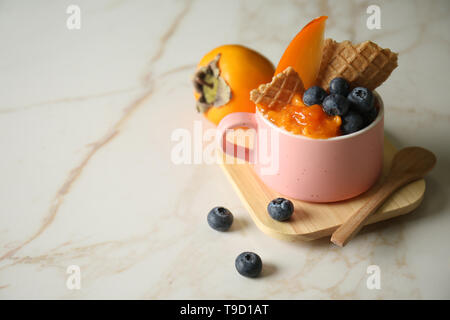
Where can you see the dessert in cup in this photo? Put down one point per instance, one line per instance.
(327, 119)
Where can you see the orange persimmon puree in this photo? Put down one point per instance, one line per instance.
(309, 121)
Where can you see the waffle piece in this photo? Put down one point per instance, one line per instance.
(280, 91)
(365, 64)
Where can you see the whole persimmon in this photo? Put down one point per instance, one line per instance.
(224, 78)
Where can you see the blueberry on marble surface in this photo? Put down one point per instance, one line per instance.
(220, 218)
(248, 264)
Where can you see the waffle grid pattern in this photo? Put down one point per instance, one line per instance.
(365, 64)
(280, 91)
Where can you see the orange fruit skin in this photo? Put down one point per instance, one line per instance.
(243, 69)
(304, 53)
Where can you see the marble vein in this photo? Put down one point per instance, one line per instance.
(165, 39)
(108, 137)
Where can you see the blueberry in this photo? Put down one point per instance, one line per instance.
(280, 209)
(314, 95)
(248, 264)
(352, 122)
(370, 116)
(220, 219)
(336, 105)
(339, 86)
(362, 99)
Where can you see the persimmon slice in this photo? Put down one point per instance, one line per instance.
(304, 53)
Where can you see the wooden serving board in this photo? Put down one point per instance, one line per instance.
(315, 220)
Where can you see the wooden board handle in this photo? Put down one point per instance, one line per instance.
(351, 227)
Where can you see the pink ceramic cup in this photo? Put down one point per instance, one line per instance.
(315, 170)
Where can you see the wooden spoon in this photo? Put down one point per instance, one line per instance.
(408, 165)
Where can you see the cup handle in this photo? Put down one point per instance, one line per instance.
(231, 121)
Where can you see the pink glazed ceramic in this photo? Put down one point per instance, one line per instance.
(315, 170)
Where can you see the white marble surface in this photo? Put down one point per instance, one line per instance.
(86, 178)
